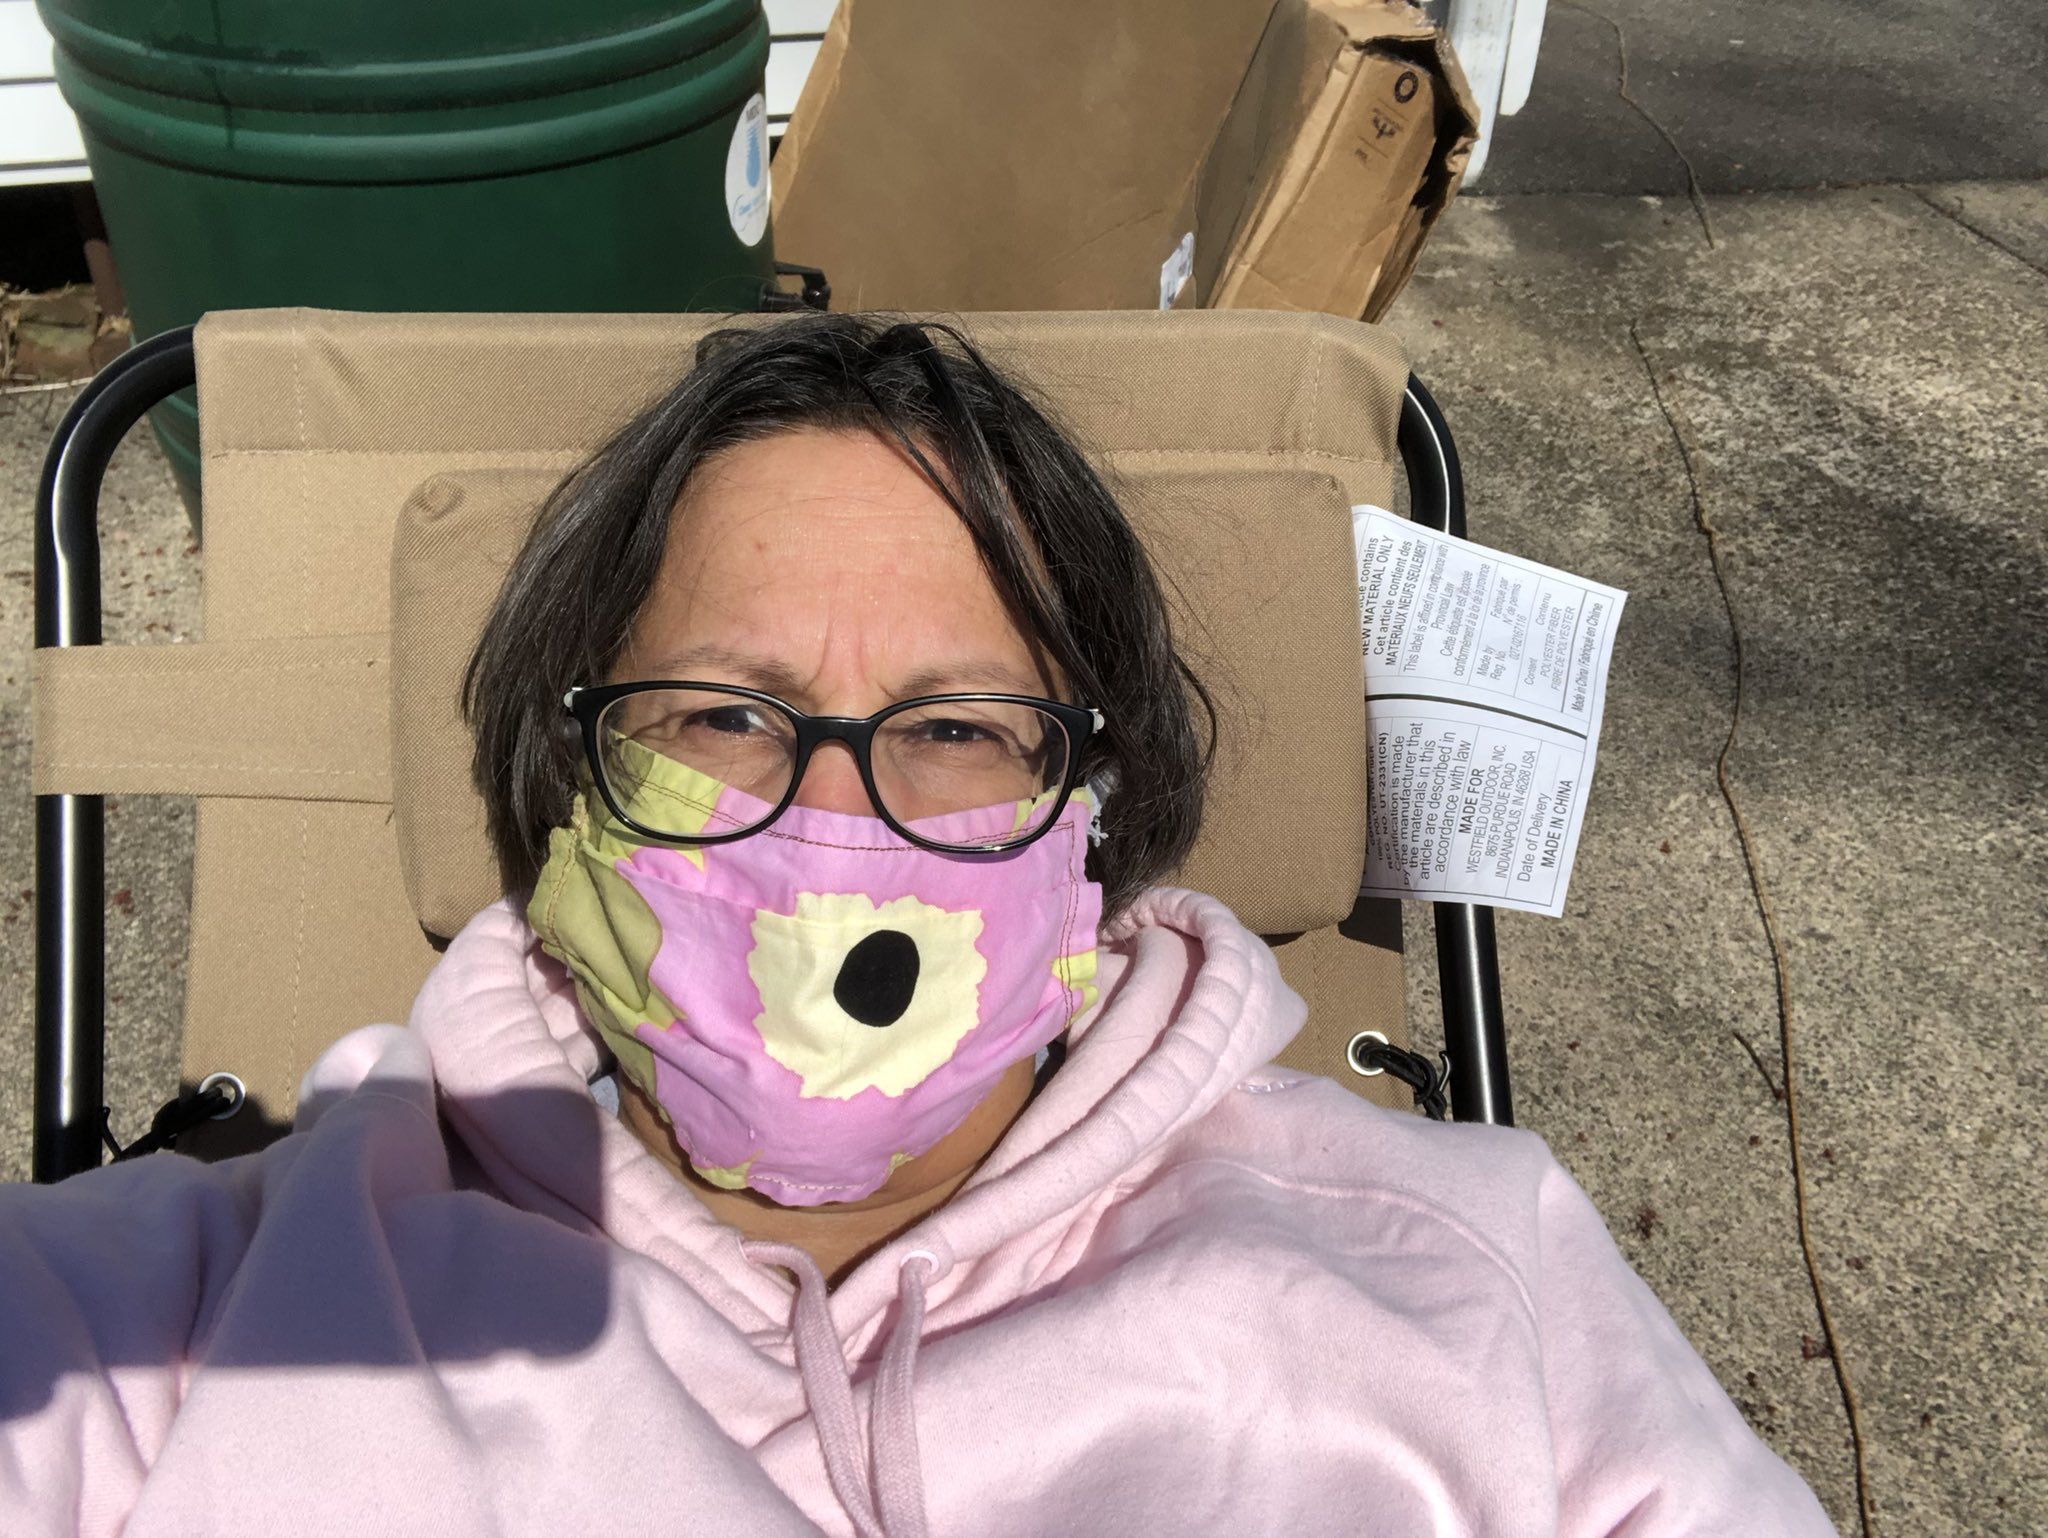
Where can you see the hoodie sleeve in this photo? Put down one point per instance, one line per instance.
(119, 1284)
(104, 1281)
(1647, 1443)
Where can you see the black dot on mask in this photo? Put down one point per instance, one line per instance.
(878, 978)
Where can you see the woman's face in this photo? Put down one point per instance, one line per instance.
(824, 569)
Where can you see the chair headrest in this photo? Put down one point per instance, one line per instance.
(1259, 561)
(1239, 440)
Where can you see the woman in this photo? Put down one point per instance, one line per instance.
(837, 1128)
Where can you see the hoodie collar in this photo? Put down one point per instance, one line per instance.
(1192, 1003)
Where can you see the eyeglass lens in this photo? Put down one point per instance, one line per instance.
(929, 761)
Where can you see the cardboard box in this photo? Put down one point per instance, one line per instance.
(1040, 156)
(1071, 154)
(1346, 141)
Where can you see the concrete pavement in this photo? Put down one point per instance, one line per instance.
(1766, 94)
(1858, 373)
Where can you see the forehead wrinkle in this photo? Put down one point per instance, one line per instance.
(713, 663)
(968, 675)
(829, 585)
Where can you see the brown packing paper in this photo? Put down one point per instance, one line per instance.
(1056, 156)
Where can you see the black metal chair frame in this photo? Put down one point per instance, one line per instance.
(70, 1039)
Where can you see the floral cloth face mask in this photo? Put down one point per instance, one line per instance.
(814, 1005)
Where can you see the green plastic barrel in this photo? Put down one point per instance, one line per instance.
(421, 155)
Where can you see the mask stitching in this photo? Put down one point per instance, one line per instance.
(1073, 907)
(805, 1185)
(1066, 941)
(554, 901)
(819, 843)
(711, 813)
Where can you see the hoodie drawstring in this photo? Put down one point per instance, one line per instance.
(898, 1472)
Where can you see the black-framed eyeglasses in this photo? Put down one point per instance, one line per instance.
(957, 773)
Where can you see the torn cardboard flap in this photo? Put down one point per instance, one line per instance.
(1058, 155)
(1348, 138)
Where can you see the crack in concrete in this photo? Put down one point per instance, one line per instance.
(1692, 177)
(1689, 457)
(1989, 239)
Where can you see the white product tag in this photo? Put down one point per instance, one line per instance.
(1485, 677)
(1175, 271)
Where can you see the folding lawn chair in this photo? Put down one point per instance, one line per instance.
(368, 478)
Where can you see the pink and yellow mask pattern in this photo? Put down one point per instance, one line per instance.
(815, 1004)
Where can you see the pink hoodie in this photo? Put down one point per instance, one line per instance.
(1186, 1294)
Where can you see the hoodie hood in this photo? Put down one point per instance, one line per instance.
(1191, 1004)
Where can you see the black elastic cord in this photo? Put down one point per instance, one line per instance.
(171, 1122)
(1426, 1079)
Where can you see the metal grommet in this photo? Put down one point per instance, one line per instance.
(1351, 1053)
(237, 1093)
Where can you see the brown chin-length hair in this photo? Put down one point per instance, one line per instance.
(1050, 534)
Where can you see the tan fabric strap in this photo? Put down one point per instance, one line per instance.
(300, 719)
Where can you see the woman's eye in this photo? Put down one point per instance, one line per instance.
(961, 732)
(733, 720)
(716, 720)
(957, 731)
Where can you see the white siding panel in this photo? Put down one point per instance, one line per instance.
(800, 18)
(24, 44)
(38, 136)
(789, 65)
(794, 27)
(1525, 38)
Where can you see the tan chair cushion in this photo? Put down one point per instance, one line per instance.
(1258, 558)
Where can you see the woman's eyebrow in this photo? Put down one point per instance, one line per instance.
(968, 674)
(710, 662)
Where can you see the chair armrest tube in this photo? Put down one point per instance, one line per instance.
(1468, 967)
(1475, 1037)
(70, 1041)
